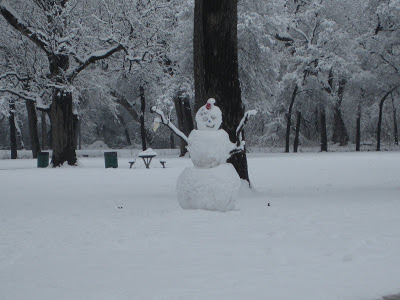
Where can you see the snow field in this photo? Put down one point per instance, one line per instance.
(332, 231)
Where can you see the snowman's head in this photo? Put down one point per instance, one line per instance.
(209, 116)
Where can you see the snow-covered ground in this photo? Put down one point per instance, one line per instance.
(331, 232)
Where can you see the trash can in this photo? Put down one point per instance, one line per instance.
(43, 159)
(111, 159)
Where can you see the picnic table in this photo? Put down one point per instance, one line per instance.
(147, 156)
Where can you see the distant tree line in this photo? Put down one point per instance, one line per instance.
(319, 72)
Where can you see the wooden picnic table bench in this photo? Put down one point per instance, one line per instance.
(162, 162)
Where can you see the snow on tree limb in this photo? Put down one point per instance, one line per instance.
(243, 121)
(93, 57)
(15, 21)
(28, 97)
(168, 123)
(14, 74)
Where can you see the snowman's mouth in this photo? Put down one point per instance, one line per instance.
(210, 126)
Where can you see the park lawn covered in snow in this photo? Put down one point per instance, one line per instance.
(332, 231)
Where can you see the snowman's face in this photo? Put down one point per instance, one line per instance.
(209, 119)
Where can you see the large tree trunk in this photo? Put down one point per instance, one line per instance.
(185, 119)
(379, 129)
(322, 129)
(13, 131)
(45, 140)
(63, 121)
(216, 71)
(172, 140)
(62, 128)
(289, 119)
(340, 135)
(33, 128)
(142, 110)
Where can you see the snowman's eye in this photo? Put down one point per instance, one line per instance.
(205, 119)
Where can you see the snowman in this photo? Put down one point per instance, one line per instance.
(211, 183)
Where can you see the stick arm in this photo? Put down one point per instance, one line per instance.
(167, 123)
(240, 143)
(239, 130)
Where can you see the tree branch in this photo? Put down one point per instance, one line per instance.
(121, 100)
(387, 61)
(16, 75)
(301, 32)
(12, 19)
(92, 58)
(167, 123)
(243, 121)
(28, 97)
(283, 38)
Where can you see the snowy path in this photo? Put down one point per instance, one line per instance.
(332, 232)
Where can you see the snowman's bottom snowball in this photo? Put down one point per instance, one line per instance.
(208, 188)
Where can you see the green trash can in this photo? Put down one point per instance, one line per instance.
(43, 160)
(111, 159)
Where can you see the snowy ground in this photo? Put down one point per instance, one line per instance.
(332, 231)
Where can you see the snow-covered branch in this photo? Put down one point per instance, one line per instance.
(93, 57)
(168, 123)
(243, 121)
(14, 74)
(15, 21)
(386, 61)
(27, 96)
(301, 32)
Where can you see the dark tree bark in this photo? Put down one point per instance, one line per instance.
(172, 140)
(296, 137)
(340, 135)
(62, 119)
(216, 66)
(395, 126)
(45, 140)
(131, 110)
(142, 110)
(33, 128)
(126, 131)
(62, 129)
(185, 119)
(13, 131)
(358, 127)
(322, 130)
(316, 120)
(289, 119)
(379, 129)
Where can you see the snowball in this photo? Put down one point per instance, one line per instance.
(209, 148)
(213, 189)
(209, 116)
